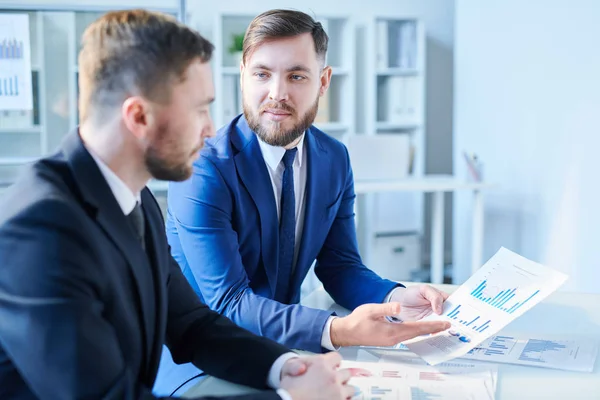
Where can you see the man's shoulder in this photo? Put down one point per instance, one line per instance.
(219, 148)
(47, 183)
(327, 142)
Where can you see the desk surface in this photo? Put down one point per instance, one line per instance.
(561, 315)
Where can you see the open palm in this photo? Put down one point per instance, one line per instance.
(418, 301)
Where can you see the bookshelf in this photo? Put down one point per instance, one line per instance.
(395, 94)
(27, 135)
(336, 115)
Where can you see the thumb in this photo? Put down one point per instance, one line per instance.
(294, 367)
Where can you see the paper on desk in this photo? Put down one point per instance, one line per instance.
(387, 381)
(570, 355)
(578, 354)
(449, 370)
(503, 289)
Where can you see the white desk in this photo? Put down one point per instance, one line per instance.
(561, 314)
(438, 185)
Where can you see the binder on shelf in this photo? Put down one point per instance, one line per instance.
(396, 100)
(403, 99)
(407, 45)
(381, 41)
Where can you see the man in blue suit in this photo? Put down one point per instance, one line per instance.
(270, 194)
(88, 289)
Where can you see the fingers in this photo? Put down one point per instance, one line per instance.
(434, 297)
(348, 391)
(294, 367)
(410, 330)
(344, 375)
(376, 311)
(331, 359)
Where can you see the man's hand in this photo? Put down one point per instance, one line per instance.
(418, 301)
(322, 380)
(368, 326)
(294, 367)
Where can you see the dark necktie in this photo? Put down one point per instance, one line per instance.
(287, 223)
(136, 218)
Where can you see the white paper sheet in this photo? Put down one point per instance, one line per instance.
(387, 381)
(15, 63)
(574, 354)
(503, 289)
(569, 355)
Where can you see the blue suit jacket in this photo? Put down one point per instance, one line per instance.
(223, 230)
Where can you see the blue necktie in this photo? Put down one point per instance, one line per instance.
(287, 225)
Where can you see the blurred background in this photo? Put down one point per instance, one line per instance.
(471, 125)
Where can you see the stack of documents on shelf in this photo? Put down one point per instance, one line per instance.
(416, 380)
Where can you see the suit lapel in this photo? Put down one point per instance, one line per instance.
(317, 180)
(253, 173)
(96, 192)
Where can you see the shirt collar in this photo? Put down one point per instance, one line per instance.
(125, 197)
(274, 154)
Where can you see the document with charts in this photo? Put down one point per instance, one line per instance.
(393, 381)
(502, 290)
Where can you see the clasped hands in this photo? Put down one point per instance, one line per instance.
(319, 376)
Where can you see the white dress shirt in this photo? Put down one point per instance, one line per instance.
(127, 201)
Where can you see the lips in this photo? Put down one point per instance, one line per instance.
(277, 111)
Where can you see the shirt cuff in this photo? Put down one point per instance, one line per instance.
(274, 379)
(326, 338)
(391, 293)
(284, 394)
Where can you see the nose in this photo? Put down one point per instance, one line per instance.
(278, 90)
(209, 129)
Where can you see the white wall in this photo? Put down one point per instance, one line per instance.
(527, 101)
(438, 17)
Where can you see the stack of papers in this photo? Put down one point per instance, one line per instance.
(393, 381)
(577, 354)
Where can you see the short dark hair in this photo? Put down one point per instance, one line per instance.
(276, 24)
(135, 52)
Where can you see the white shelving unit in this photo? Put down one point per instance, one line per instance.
(336, 115)
(395, 99)
(28, 135)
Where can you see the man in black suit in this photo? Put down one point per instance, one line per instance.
(88, 289)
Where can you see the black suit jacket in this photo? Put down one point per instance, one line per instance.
(84, 310)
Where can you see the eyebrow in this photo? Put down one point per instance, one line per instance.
(293, 68)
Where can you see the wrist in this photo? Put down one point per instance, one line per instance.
(338, 335)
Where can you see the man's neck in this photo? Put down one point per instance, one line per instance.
(118, 153)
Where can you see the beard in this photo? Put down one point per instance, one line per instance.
(164, 158)
(276, 135)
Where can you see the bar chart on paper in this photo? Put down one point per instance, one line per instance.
(15, 63)
(469, 317)
(505, 300)
(507, 286)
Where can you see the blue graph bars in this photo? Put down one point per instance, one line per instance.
(468, 322)
(9, 86)
(501, 299)
(11, 49)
